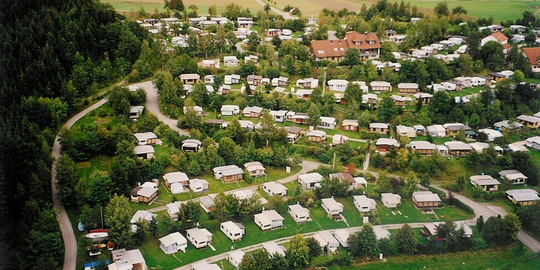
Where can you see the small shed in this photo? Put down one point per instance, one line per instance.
(172, 243)
(299, 213)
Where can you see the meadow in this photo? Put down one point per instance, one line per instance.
(500, 10)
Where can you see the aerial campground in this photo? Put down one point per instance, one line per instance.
(269, 134)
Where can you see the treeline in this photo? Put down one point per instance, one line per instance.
(52, 54)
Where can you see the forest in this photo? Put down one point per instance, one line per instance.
(53, 55)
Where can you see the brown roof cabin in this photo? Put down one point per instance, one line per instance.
(294, 133)
(349, 125)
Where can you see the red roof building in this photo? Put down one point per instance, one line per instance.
(533, 55)
(334, 50)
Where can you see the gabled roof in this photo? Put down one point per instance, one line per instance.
(483, 180)
(532, 54)
(522, 195)
(500, 37)
(426, 196)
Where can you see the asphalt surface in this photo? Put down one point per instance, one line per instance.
(152, 106)
(286, 15)
(70, 242)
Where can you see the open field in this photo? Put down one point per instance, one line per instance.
(500, 10)
(202, 5)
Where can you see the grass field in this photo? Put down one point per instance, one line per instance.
(500, 10)
(202, 5)
(516, 257)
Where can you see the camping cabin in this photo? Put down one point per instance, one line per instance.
(172, 243)
(255, 169)
(485, 182)
(349, 125)
(310, 180)
(269, 220)
(390, 200)
(426, 200)
(191, 145)
(316, 136)
(234, 231)
(327, 242)
(332, 208)
(380, 128)
(299, 213)
(227, 174)
(144, 151)
(274, 188)
(199, 237)
(384, 144)
(364, 204)
(513, 177)
(522, 196)
(127, 259)
(146, 138)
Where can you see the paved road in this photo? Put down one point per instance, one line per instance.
(480, 209)
(152, 105)
(306, 167)
(239, 47)
(70, 242)
(529, 241)
(286, 15)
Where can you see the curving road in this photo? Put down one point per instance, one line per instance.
(70, 242)
(286, 15)
(152, 105)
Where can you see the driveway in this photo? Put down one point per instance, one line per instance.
(152, 105)
(70, 242)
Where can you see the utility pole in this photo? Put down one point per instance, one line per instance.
(324, 82)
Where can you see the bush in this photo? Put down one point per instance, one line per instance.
(453, 201)
(478, 244)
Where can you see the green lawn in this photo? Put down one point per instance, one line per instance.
(465, 92)
(515, 257)
(408, 213)
(436, 140)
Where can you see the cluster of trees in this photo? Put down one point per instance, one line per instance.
(300, 252)
(54, 54)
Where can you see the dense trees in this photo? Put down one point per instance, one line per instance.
(406, 240)
(499, 231)
(54, 54)
(363, 243)
(117, 216)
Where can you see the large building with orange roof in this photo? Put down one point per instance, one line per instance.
(334, 50)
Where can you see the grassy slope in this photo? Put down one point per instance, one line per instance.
(516, 257)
